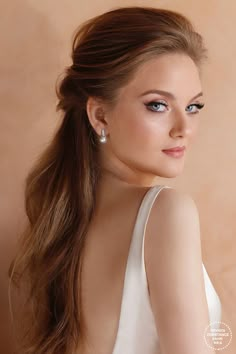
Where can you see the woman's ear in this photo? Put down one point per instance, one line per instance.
(96, 114)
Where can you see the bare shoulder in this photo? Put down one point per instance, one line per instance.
(174, 204)
(173, 218)
(173, 262)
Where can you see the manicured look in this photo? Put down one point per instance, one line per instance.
(131, 106)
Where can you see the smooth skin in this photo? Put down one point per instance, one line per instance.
(132, 161)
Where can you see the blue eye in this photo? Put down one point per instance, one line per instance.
(198, 105)
(156, 104)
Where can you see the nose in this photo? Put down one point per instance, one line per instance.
(182, 125)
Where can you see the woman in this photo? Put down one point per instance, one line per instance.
(132, 93)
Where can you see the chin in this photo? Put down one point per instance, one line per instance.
(171, 175)
(168, 173)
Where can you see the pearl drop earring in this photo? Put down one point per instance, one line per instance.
(103, 138)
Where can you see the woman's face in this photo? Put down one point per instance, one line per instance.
(142, 124)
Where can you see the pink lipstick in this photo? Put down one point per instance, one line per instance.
(177, 151)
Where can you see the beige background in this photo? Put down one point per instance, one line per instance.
(35, 46)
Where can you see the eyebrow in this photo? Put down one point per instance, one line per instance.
(168, 94)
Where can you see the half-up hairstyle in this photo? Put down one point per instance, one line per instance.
(60, 187)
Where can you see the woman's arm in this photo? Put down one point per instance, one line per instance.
(175, 275)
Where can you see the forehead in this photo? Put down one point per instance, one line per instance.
(176, 73)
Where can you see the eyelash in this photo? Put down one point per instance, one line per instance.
(198, 105)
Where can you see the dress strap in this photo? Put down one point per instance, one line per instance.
(150, 197)
(135, 303)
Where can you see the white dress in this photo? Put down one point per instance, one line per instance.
(137, 330)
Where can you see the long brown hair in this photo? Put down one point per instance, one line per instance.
(60, 188)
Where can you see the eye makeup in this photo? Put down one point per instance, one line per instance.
(150, 104)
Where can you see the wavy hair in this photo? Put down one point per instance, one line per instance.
(59, 192)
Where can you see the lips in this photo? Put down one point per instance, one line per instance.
(175, 149)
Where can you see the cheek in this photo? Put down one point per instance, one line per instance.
(194, 131)
(138, 133)
(149, 131)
